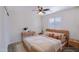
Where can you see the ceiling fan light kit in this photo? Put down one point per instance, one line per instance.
(41, 13)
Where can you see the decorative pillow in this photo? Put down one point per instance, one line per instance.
(47, 33)
(59, 36)
(51, 35)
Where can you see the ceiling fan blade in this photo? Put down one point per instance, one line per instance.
(40, 8)
(43, 12)
(46, 9)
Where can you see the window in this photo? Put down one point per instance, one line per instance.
(54, 22)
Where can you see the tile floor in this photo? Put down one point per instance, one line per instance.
(18, 47)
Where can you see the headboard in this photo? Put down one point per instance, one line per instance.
(60, 31)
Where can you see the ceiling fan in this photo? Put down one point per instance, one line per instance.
(41, 10)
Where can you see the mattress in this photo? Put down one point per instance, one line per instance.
(42, 43)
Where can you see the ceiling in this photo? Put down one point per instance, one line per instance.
(54, 9)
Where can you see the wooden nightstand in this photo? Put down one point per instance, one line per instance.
(73, 42)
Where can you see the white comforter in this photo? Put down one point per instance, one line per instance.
(42, 43)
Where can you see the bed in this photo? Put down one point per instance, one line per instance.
(64, 40)
(42, 43)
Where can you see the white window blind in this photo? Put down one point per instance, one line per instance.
(54, 22)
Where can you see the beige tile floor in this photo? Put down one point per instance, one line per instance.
(17, 47)
(20, 47)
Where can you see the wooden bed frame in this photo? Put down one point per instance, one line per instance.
(61, 31)
(23, 34)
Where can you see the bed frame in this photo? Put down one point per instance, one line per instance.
(24, 34)
(65, 44)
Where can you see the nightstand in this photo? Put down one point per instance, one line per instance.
(73, 42)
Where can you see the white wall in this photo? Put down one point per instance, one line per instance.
(3, 45)
(12, 26)
(70, 21)
(19, 18)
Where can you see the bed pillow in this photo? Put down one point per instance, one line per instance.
(47, 33)
(59, 36)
